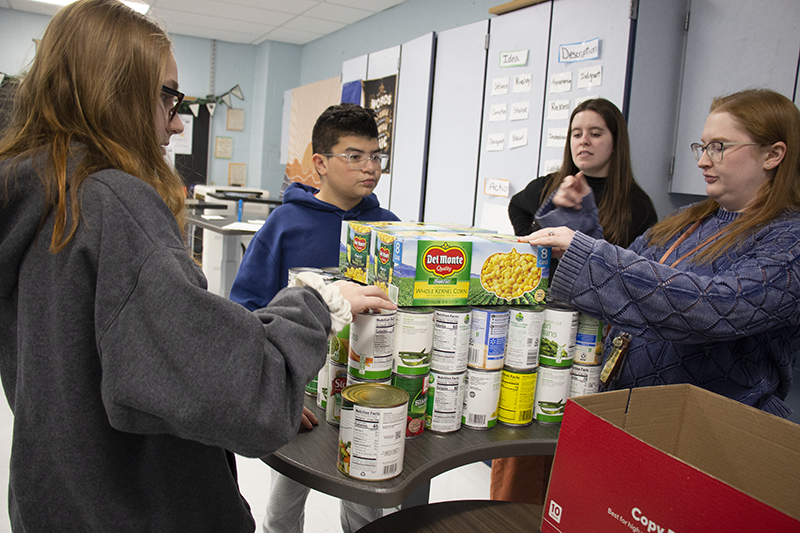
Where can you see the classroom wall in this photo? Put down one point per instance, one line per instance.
(322, 59)
(17, 31)
(263, 73)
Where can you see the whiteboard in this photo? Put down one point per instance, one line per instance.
(525, 31)
(731, 45)
(576, 21)
(412, 114)
(379, 65)
(457, 107)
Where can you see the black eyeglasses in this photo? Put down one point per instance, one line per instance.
(177, 98)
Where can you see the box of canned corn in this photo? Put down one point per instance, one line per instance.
(448, 268)
(365, 257)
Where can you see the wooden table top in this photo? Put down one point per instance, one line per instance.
(310, 458)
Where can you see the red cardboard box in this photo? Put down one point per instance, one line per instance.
(672, 459)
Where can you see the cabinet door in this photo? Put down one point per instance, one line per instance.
(456, 124)
(730, 46)
(512, 109)
(409, 152)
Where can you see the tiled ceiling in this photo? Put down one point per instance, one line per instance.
(248, 21)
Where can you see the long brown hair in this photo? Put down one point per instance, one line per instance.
(616, 206)
(767, 117)
(93, 89)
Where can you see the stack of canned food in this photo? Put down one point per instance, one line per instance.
(451, 366)
(475, 366)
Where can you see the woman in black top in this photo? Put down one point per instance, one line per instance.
(599, 149)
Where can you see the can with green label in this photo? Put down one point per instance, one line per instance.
(413, 341)
(337, 381)
(417, 389)
(552, 391)
(559, 330)
(445, 402)
(371, 345)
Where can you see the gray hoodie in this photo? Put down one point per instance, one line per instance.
(127, 379)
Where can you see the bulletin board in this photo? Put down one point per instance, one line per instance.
(308, 103)
(512, 111)
(194, 167)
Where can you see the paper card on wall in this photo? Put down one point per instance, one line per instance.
(496, 142)
(579, 101)
(556, 137)
(498, 112)
(583, 51)
(558, 110)
(561, 83)
(517, 58)
(522, 83)
(552, 165)
(518, 138)
(496, 187)
(520, 110)
(235, 119)
(590, 77)
(182, 142)
(500, 86)
(237, 174)
(223, 147)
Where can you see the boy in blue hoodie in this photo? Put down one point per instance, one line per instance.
(304, 232)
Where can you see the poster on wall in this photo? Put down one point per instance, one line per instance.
(379, 96)
(308, 103)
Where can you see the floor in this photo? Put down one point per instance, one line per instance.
(470, 482)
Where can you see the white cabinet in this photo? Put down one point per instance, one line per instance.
(731, 45)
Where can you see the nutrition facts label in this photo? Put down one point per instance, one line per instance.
(378, 442)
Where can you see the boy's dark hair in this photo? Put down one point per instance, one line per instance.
(341, 120)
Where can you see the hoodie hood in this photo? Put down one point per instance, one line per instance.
(298, 193)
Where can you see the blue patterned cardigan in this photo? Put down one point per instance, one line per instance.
(731, 326)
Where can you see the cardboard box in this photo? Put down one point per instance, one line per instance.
(357, 253)
(672, 459)
(440, 268)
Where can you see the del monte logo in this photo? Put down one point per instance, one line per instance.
(359, 243)
(444, 260)
(384, 254)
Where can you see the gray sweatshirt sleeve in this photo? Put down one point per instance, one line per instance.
(179, 360)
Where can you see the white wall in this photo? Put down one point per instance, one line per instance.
(17, 31)
(323, 58)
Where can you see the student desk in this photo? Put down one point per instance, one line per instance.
(229, 259)
(310, 459)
